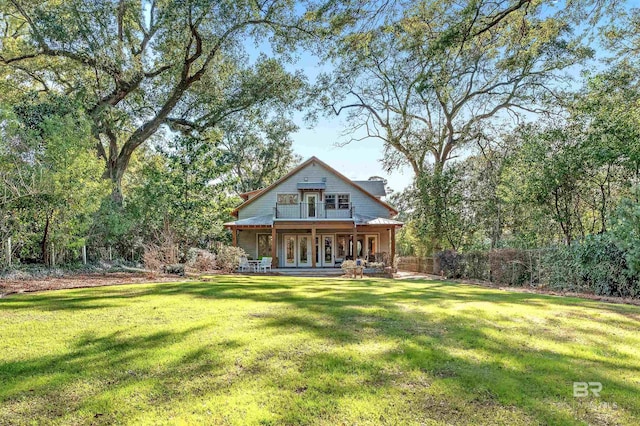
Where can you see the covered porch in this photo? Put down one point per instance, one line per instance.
(316, 244)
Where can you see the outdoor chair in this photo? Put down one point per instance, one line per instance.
(264, 264)
(244, 265)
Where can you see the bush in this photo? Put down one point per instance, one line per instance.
(452, 263)
(477, 265)
(378, 266)
(153, 258)
(201, 260)
(228, 258)
(510, 266)
(176, 269)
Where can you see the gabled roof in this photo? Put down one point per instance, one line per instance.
(300, 167)
(246, 195)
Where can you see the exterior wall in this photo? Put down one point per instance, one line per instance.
(314, 172)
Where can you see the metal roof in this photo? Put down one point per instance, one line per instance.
(373, 187)
(361, 219)
(265, 220)
(312, 185)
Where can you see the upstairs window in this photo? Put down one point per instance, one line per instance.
(343, 201)
(287, 199)
(330, 201)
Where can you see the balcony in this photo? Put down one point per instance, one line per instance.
(312, 211)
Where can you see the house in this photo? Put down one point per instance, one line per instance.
(311, 218)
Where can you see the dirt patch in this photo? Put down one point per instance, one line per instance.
(403, 275)
(8, 287)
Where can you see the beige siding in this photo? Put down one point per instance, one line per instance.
(314, 172)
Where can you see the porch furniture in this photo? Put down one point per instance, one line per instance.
(245, 265)
(254, 265)
(264, 264)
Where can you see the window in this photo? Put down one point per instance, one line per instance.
(287, 198)
(343, 201)
(264, 245)
(330, 201)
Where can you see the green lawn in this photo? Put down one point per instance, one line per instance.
(280, 350)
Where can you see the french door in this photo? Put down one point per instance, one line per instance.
(325, 255)
(297, 251)
(304, 251)
(290, 251)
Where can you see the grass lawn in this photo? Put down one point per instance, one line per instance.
(283, 350)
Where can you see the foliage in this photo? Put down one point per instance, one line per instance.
(597, 265)
(141, 68)
(451, 263)
(228, 258)
(52, 177)
(201, 260)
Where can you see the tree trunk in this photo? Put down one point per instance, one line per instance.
(44, 243)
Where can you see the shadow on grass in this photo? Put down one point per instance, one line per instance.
(480, 365)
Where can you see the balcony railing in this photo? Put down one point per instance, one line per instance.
(312, 211)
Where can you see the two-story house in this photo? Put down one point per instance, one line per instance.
(316, 217)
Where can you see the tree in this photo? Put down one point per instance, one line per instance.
(258, 149)
(51, 176)
(141, 67)
(434, 79)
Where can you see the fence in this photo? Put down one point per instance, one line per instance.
(504, 266)
(416, 264)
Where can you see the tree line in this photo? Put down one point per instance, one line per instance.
(125, 123)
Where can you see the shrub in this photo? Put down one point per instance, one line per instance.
(451, 263)
(510, 266)
(228, 258)
(477, 265)
(200, 260)
(378, 266)
(153, 258)
(176, 269)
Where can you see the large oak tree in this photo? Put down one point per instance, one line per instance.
(141, 67)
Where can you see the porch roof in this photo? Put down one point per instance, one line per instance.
(361, 219)
(265, 220)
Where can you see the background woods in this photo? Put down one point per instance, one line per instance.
(125, 124)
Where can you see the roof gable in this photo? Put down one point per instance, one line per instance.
(306, 163)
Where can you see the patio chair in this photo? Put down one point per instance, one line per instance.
(265, 263)
(244, 265)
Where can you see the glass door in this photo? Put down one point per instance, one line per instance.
(371, 247)
(327, 250)
(290, 251)
(304, 250)
(311, 203)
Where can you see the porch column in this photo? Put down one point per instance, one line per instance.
(313, 247)
(393, 246)
(355, 243)
(234, 236)
(274, 246)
